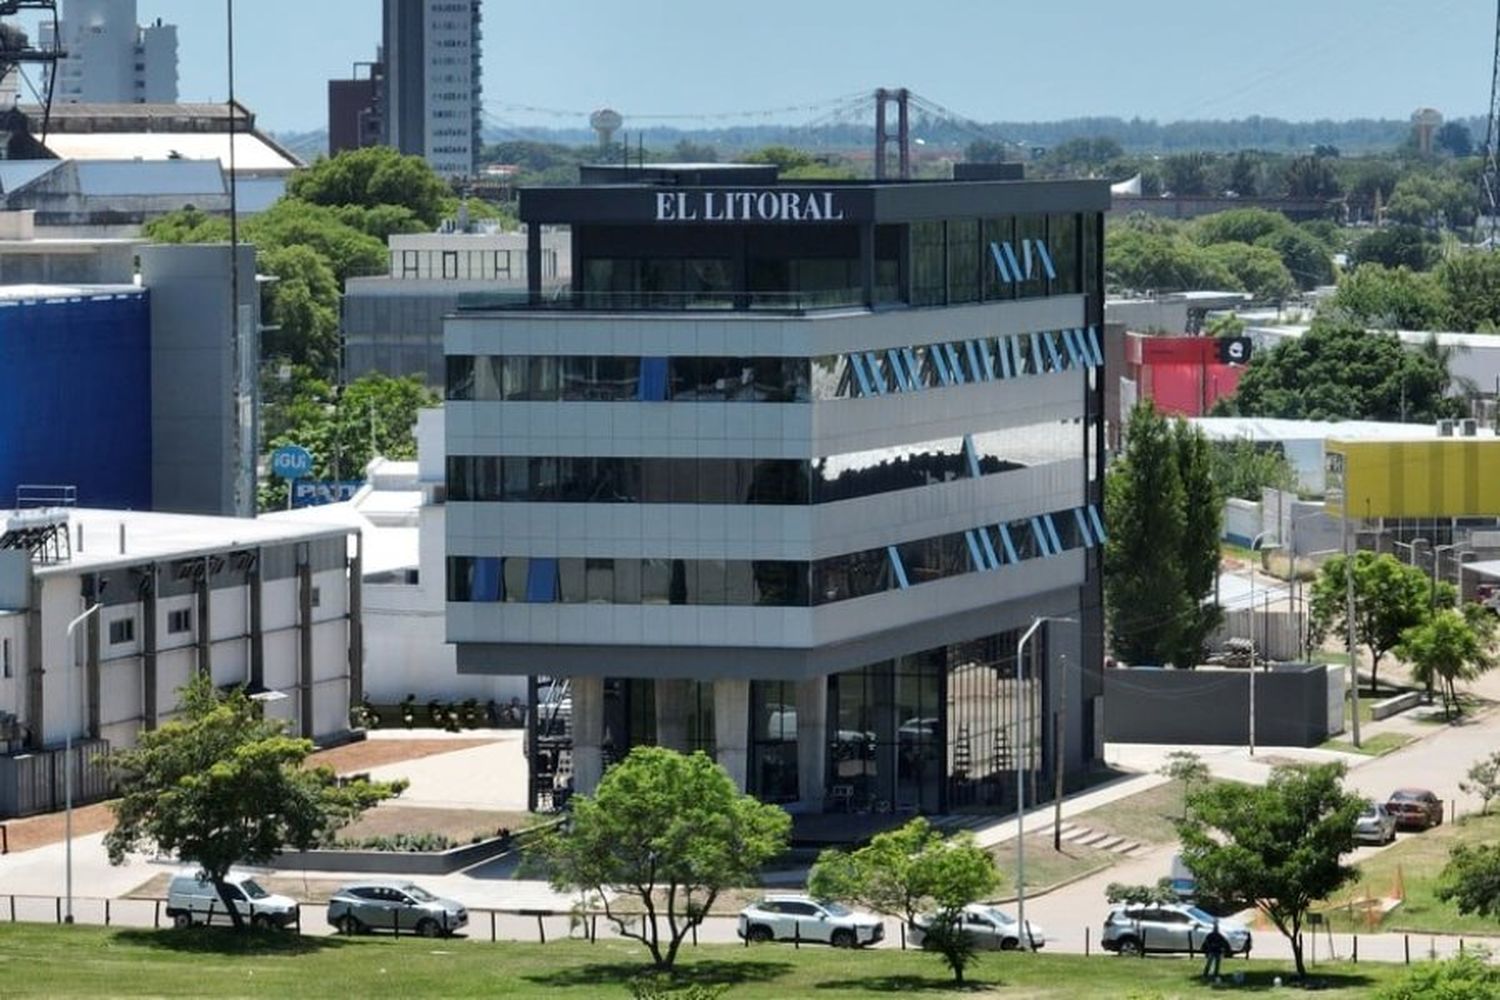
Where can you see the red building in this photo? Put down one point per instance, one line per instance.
(1185, 375)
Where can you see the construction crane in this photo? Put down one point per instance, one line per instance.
(16, 50)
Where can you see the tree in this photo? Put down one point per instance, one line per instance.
(1307, 260)
(1338, 370)
(1257, 269)
(1390, 597)
(372, 176)
(1431, 201)
(303, 309)
(1203, 522)
(1140, 258)
(1471, 879)
(984, 151)
(1187, 174)
(1472, 284)
(221, 786)
(1280, 845)
(1238, 225)
(1243, 469)
(664, 829)
(1483, 780)
(1454, 138)
(1465, 976)
(1397, 246)
(1445, 649)
(1188, 768)
(1145, 592)
(906, 871)
(1399, 299)
(1311, 177)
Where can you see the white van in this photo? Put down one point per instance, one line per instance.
(192, 899)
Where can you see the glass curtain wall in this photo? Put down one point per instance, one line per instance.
(994, 722)
(773, 741)
(885, 748)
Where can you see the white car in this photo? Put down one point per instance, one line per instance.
(192, 899)
(802, 918)
(991, 928)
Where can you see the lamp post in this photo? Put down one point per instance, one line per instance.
(68, 669)
(1021, 745)
(1256, 545)
(1437, 561)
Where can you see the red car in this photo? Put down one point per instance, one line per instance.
(1415, 808)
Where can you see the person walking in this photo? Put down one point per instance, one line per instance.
(1214, 947)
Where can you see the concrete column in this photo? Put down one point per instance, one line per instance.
(91, 678)
(257, 626)
(356, 607)
(36, 736)
(205, 623)
(732, 727)
(588, 733)
(304, 642)
(812, 743)
(150, 698)
(672, 714)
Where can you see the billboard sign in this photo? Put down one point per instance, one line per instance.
(317, 492)
(291, 462)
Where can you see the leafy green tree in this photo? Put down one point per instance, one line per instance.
(1242, 468)
(1187, 174)
(1145, 575)
(1279, 846)
(304, 308)
(349, 252)
(1431, 201)
(1312, 177)
(1327, 232)
(1471, 879)
(1443, 650)
(1225, 325)
(1454, 138)
(187, 225)
(984, 151)
(670, 832)
(1245, 175)
(1338, 370)
(906, 871)
(1203, 522)
(1142, 895)
(1472, 284)
(1397, 246)
(1140, 259)
(1483, 780)
(1239, 225)
(1399, 299)
(1390, 598)
(1188, 768)
(1257, 269)
(1306, 259)
(370, 177)
(221, 786)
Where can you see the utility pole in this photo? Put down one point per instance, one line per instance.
(1489, 181)
(1059, 731)
(1349, 617)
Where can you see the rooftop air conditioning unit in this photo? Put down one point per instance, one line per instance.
(1445, 428)
(1468, 427)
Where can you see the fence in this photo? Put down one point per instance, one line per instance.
(1278, 633)
(33, 782)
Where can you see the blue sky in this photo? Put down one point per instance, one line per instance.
(1013, 60)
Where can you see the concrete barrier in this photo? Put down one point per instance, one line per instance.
(1399, 703)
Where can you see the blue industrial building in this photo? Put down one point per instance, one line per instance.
(75, 393)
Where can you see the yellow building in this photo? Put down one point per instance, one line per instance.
(1431, 477)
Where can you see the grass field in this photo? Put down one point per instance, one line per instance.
(1419, 860)
(1377, 745)
(46, 961)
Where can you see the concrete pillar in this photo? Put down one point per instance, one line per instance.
(812, 743)
(588, 733)
(304, 642)
(356, 607)
(672, 714)
(732, 727)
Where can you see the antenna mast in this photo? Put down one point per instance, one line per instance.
(1489, 184)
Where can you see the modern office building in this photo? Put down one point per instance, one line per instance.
(110, 59)
(432, 82)
(270, 604)
(355, 116)
(786, 474)
(393, 323)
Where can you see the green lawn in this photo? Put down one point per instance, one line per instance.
(1377, 745)
(48, 961)
(1147, 817)
(1420, 859)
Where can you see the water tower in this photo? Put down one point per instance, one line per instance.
(605, 122)
(1424, 122)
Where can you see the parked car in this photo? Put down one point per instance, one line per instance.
(193, 899)
(1167, 927)
(1184, 883)
(785, 918)
(378, 906)
(1376, 825)
(991, 928)
(1415, 808)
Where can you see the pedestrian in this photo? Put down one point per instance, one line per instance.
(1214, 947)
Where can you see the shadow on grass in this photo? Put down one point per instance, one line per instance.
(711, 972)
(227, 941)
(907, 984)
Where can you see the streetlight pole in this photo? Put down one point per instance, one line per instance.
(68, 669)
(1256, 546)
(1349, 621)
(1021, 745)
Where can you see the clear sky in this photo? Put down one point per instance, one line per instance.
(991, 60)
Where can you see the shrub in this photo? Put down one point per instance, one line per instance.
(1469, 976)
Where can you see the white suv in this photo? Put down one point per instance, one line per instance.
(801, 918)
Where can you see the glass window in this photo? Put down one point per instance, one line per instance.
(963, 260)
(927, 264)
(572, 580)
(998, 235)
(1031, 230)
(514, 571)
(656, 581)
(599, 582)
(460, 377)
(1062, 244)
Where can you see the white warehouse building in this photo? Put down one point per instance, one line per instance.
(270, 604)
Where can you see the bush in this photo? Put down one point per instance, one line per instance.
(1469, 976)
(401, 843)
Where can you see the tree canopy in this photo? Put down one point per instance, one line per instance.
(1280, 846)
(1447, 647)
(221, 786)
(1390, 597)
(373, 177)
(670, 831)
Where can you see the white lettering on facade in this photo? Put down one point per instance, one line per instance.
(747, 206)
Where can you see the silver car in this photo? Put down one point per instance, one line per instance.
(1375, 825)
(990, 927)
(1167, 927)
(379, 906)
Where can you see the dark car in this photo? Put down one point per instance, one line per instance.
(373, 906)
(1415, 808)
